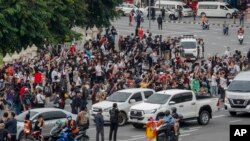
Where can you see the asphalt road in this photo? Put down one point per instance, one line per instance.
(215, 41)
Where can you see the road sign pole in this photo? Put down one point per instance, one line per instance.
(149, 14)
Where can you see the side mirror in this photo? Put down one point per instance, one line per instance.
(171, 103)
(132, 101)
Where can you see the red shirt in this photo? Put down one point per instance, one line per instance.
(21, 91)
(38, 77)
(72, 49)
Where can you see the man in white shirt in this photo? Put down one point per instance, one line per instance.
(99, 72)
(214, 88)
(40, 99)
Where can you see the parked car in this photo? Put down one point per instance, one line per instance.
(169, 13)
(188, 104)
(50, 115)
(125, 9)
(124, 99)
(215, 9)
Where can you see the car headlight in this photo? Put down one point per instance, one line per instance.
(226, 100)
(150, 111)
(107, 109)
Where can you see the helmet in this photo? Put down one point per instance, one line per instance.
(69, 117)
(59, 123)
(173, 109)
(167, 112)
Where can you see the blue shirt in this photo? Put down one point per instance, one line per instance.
(169, 119)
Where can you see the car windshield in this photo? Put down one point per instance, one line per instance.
(239, 86)
(119, 97)
(185, 6)
(229, 6)
(22, 116)
(158, 98)
(188, 45)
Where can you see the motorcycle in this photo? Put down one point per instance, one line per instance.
(64, 134)
(165, 132)
(35, 136)
(240, 38)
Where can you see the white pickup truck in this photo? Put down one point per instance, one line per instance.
(124, 99)
(188, 104)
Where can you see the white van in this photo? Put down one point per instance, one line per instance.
(238, 94)
(215, 9)
(173, 5)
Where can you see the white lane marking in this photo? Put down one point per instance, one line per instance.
(134, 139)
(184, 135)
(235, 121)
(198, 127)
(219, 116)
(137, 136)
(189, 131)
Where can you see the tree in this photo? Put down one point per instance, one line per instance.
(100, 12)
(26, 22)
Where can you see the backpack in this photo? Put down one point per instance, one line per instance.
(82, 118)
(47, 91)
(113, 116)
(27, 100)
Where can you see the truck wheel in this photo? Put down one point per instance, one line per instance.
(137, 125)
(122, 119)
(233, 113)
(204, 118)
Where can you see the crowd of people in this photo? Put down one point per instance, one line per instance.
(99, 68)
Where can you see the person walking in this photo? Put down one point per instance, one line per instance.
(194, 15)
(159, 21)
(241, 18)
(130, 18)
(163, 13)
(180, 13)
(234, 15)
(99, 122)
(11, 126)
(114, 112)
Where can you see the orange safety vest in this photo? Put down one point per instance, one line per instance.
(74, 130)
(27, 127)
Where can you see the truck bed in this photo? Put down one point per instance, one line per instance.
(201, 97)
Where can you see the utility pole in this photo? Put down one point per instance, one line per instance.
(149, 14)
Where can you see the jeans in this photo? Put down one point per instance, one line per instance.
(214, 90)
(99, 131)
(160, 26)
(113, 128)
(18, 108)
(241, 22)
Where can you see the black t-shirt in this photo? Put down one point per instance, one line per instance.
(3, 134)
(37, 128)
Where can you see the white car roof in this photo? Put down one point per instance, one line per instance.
(134, 90)
(212, 2)
(173, 91)
(41, 110)
(170, 2)
(188, 40)
(245, 76)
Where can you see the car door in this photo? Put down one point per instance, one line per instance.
(223, 11)
(50, 119)
(189, 104)
(177, 99)
(137, 97)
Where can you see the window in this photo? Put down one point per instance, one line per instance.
(53, 115)
(177, 98)
(137, 97)
(148, 94)
(208, 6)
(187, 97)
(223, 7)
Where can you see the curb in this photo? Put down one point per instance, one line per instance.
(214, 24)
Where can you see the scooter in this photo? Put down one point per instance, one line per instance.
(64, 136)
(240, 38)
(165, 132)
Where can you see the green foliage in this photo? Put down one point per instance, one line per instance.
(100, 12)
(24, 22)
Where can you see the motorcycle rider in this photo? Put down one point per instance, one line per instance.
(241, 31)
(170, 121)
(175, 115)
(57, 128)
(27, 125)
(82, 119)
(72, 126)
